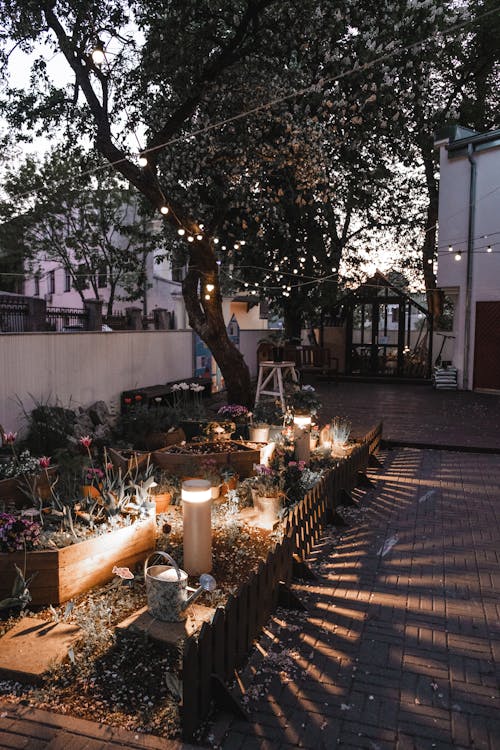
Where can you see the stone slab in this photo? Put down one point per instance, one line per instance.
(169, 633)
(33, 646)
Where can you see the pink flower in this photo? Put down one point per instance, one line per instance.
(44, 462)
(86, 441)
(9, 438)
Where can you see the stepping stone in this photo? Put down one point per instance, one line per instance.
(169, 633)
(33, 646)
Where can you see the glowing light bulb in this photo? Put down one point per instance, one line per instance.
(199, 236)
(295, 270)
(207, 296)
(164, 210)
(216, 240)
(236, 246)
(223, 247)
(276, 268)
(190, 238)
(489, 249)
(143, 162)
(202, 226)
(450, 248)
(98, 56)
(253, 291)
(209, 287)
(245, 284)
(429, 260)
(458, 256)
(181, 231)
(243, 242)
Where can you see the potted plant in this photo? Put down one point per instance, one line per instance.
(267, 415)
(166, 489)
(219, 430)
(238, 414)
(267, 494)
(304, 401)
(189, 410)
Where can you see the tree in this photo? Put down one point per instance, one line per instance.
(93, 229)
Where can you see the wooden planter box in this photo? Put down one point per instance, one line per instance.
(128, 460)
(67, 572)
(178, 459)
(10, 489)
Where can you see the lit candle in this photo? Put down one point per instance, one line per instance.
(197, 517)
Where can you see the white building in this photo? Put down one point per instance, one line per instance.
(469, 252)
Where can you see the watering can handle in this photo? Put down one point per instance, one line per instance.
(167, 557)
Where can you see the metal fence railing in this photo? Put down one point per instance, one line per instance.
(66, 319)
(13, 315)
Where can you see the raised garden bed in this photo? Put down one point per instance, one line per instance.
(10, 489)
(64, 573)
(178, 459)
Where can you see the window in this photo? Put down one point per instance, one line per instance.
(52, 282)
(37, 284)
(67, 281)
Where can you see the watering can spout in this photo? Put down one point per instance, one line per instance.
(207, 583)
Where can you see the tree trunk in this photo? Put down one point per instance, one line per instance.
(434, 296)
(204, 309)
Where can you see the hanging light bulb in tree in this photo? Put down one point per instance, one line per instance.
(143, 162)
(181, 232)
(458, 256)
(450, 248)
(97, 54)
(216, 240)
(199, 237)
(209, 287)
(164, 210)
(190, 238)
(489, 249)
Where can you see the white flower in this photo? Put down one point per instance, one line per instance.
(176, 387)
(184, 386)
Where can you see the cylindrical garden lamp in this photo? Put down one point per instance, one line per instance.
(197, 521)
(302, 424)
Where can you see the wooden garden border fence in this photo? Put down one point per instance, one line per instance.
(211, 657)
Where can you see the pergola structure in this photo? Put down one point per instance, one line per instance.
(388, 333)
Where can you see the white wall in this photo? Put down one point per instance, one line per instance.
(77, 369)
(453, 229)
(86, 367)
(249, 341)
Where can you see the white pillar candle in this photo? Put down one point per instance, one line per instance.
(197, 523)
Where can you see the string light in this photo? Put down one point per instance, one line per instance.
(190, 238)
(209, 287)
(458, 255)
(164, 210)
(236, 246)
(143, 162)
(199, 236)
(181, 231)
(216, 242)
(207, 296)
(450, 248)
(243, 242)
(489, 249)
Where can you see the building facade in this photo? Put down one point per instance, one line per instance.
(469, 253)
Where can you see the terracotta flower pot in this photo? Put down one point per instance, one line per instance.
(162, 501)
(88, 490)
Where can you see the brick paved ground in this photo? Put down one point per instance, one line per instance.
(416, 413)
(400, 647)
(32, 729)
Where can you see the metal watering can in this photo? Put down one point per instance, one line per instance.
(167, 591)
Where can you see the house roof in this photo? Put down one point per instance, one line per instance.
(459, 139)
(370, 288)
